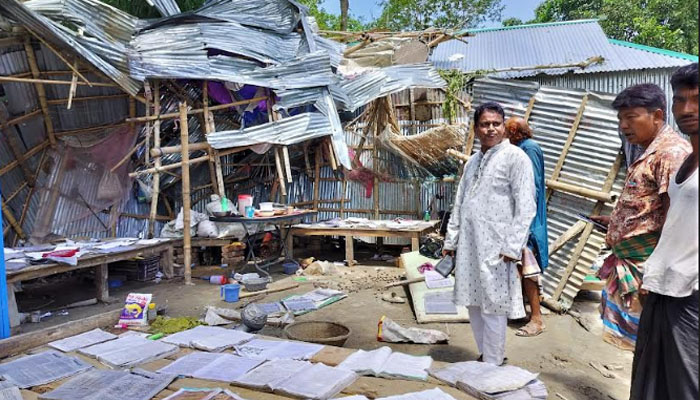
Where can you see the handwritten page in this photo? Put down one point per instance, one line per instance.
(278, 349)
(367, 362)
(404, 366)
(86, 339)
(99, 384)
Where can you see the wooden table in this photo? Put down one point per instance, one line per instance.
(281, 223)
(98, 261)
(350, 233)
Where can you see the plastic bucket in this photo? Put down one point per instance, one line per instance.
(290, 268)
(230, 292)
(244, 200)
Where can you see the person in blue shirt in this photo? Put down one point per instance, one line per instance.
(535, 256)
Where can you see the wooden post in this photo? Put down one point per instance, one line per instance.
(40, 91)
(530, 106)
(343, 193)
(101, 283)
(12, 221)
(412, 111)
(155, 191)
(349, 250)
(280, 174)
(216, 175)
(419, 206)
(583, 239)
(317, 178)
(375, 170)
(469, 147)
(331, 156)
(287, 165)
(187, 239)
(567, 144)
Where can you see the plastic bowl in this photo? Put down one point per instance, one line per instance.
(221, 213)
(321, 332)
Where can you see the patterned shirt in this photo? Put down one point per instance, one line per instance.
(492, 212)
(639, 210)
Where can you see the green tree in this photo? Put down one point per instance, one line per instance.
(512, 21)
(413, 15)
(141, 9)
(668, 24)
(331, 22)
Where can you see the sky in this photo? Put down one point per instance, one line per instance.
(369, 9)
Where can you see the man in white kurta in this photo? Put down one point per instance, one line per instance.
(488, 228)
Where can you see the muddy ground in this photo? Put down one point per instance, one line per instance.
(562, 354)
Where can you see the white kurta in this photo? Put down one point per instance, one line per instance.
(493, 209)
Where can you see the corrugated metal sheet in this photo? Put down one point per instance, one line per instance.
(275, 15)
(166, 8)
(287, 131)
(545, 44)
(614, 82)
(587, 163)
(56, 33)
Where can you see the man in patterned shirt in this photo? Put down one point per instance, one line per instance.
(636, 221)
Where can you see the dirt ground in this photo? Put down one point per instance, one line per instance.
(561, 355)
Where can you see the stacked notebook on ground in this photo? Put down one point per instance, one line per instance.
(489, 382)
(211, 366)
(128, 351)
(277, 349)
(86, 339)
(39, 369)
(100, 384)
(432, 394)
(297, 379)
(384, 363)
(208, 338)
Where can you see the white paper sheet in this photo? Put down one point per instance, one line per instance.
(129, 351)
(367, 362)
(433, 280)
(86, 339)
(269, 375)
(211, 366)
(275, 350)
(111, 385)
(10, 393)
(404, 366)
(223, 340)
(432, 394)
(185, 338)
(41, 368)
(319, 382)
(499, 379)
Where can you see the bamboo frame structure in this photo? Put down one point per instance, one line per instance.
(186, 200)
(155, 191)
(40, 91)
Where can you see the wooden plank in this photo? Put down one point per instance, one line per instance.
(186, 200)
(569, 140)
(580, 191)
(530, 106)
(573, 261)
(566, 236)
(101, 283)
(39, 271)
(40, 91)
(20, 343)
(353, 232)
(411, 262)
(415, 243)
(349, 250)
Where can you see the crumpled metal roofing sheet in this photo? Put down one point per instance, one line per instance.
(53, 32)
(286, 131)
(166, 8)
(353, 93)
(544, 44)
(276, 15)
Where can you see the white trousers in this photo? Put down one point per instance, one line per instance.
(489, 333)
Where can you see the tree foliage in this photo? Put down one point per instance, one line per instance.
(141, 9)
(512, 21)
(668, 24)
(411, 15)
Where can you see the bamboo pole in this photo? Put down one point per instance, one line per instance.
(375, 170)
(343, 194)
(127, 156)
(317, 177)
(160, 151)
(71, 90)
(169, 167)
(580, 191)
(186, 200)
(196, 110)
(530, 106)
(287, 165)
(40, 91)
(85, 131)
(280, 173)
(331, 155)
(16, 150)
(216, 175)
(37, 80)
(458, 155)
(73, 68)
(14, 163)
(91, 98)
(567, 145)
(155, 191)
(28, 200)
(11, 220)
(22, 118)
